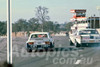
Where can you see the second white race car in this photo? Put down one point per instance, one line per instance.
(85, 37)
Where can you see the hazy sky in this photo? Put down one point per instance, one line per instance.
(59, 10)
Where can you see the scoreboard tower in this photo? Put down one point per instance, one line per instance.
(79, 14)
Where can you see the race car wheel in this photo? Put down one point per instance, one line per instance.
(71, 43)
(51, 45)
(29, 50)
(77, 44)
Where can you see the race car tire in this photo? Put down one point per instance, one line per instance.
(77, 44)
(29, 50)
(71, 43)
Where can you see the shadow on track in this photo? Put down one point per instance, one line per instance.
(71, 48)
(91, 45)
(68, 49)
(61, 49)
(5, 64)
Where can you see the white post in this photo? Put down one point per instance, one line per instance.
(9, 33)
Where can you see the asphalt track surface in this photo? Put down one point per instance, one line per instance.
(63, 54)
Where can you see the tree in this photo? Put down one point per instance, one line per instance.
(56, 27)
(33, 24)
(48, 26)
(41, 14)
(68, 26)
(20, 25)
(3, 27)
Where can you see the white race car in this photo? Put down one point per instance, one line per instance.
(85, 37)
(39, 40)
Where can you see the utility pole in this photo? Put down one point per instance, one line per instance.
(91, 22)
(9, 33)
(94, 21)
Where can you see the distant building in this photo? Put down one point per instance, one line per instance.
(79, 14)
(94, 22)
(80, 17)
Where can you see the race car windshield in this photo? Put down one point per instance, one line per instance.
(39, 36)
(83, 32)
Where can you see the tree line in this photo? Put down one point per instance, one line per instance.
(33, 25)
(3, 27)
(30, 25)
(39, 23)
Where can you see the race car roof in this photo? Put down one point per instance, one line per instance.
(86, 29)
